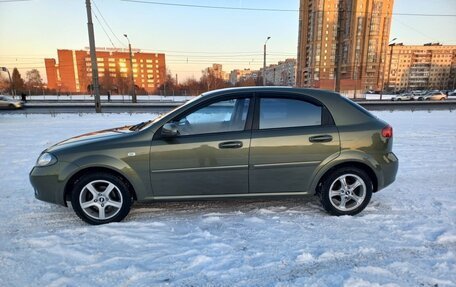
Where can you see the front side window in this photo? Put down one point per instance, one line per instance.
(222, 116)
(285, 113)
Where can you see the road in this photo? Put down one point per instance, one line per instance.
(43, 107)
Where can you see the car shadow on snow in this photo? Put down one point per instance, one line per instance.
(184, 209)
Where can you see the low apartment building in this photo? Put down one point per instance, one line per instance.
(73, 71)
(281, 74)
(429, 66)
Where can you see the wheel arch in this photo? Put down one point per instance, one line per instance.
(76, 176)
(360, 165)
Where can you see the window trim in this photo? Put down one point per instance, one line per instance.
(205, 103)
(326, 117)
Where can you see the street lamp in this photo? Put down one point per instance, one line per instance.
(389, 69)
(133, 91)
(264, 61)
(391, 44)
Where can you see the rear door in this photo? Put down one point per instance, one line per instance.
(291, 136)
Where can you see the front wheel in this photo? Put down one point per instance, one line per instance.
(346, 191)
(101, 198)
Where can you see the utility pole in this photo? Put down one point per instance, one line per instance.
(264, 61)
(133, 90)
(340, 47)
(93, 58)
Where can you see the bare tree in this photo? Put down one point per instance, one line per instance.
(247, 82)
(33, 80)
(106, 83)
(4, 84)
(210, 81)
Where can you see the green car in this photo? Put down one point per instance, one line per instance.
(231, 143)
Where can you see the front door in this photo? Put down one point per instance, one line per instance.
(210, 154)
(290, 138)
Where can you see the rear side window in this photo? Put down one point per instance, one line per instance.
(285, 113)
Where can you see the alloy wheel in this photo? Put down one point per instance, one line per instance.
(347, 192)
(100, 199)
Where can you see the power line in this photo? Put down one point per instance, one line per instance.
(171, 53)
(275, 9)
(216, 53)
(416, 30)
(107, 24)
(6, 1)
(211, 7)
(101, 25)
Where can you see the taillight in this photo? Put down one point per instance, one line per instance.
(387, 132)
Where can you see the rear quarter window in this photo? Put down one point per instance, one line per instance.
(358, 107)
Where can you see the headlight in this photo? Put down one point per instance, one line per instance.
(46, 159)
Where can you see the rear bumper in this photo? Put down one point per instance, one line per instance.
(389, 165)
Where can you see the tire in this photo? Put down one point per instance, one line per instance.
(420, 99)
(11, 106)
(337, 200)
(106, 198)
(442, 99)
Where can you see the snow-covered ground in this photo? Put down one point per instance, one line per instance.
(405, 237)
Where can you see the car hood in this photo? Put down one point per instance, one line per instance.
(92, 137)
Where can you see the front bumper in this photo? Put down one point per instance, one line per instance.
(49, 181)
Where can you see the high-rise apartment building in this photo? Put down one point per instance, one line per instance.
(428, 66)
(73, 72)
(365, 33)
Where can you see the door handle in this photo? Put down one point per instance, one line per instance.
(321, 139)
(233, 144)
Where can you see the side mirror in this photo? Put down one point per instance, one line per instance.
(169, 130)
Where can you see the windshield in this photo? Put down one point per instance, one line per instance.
(5, 98)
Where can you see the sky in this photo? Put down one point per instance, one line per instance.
(191, 38)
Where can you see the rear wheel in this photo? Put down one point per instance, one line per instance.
(101, 198)
(346, 191)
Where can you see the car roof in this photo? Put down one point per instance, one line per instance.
(316, 93)
(338, 105)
